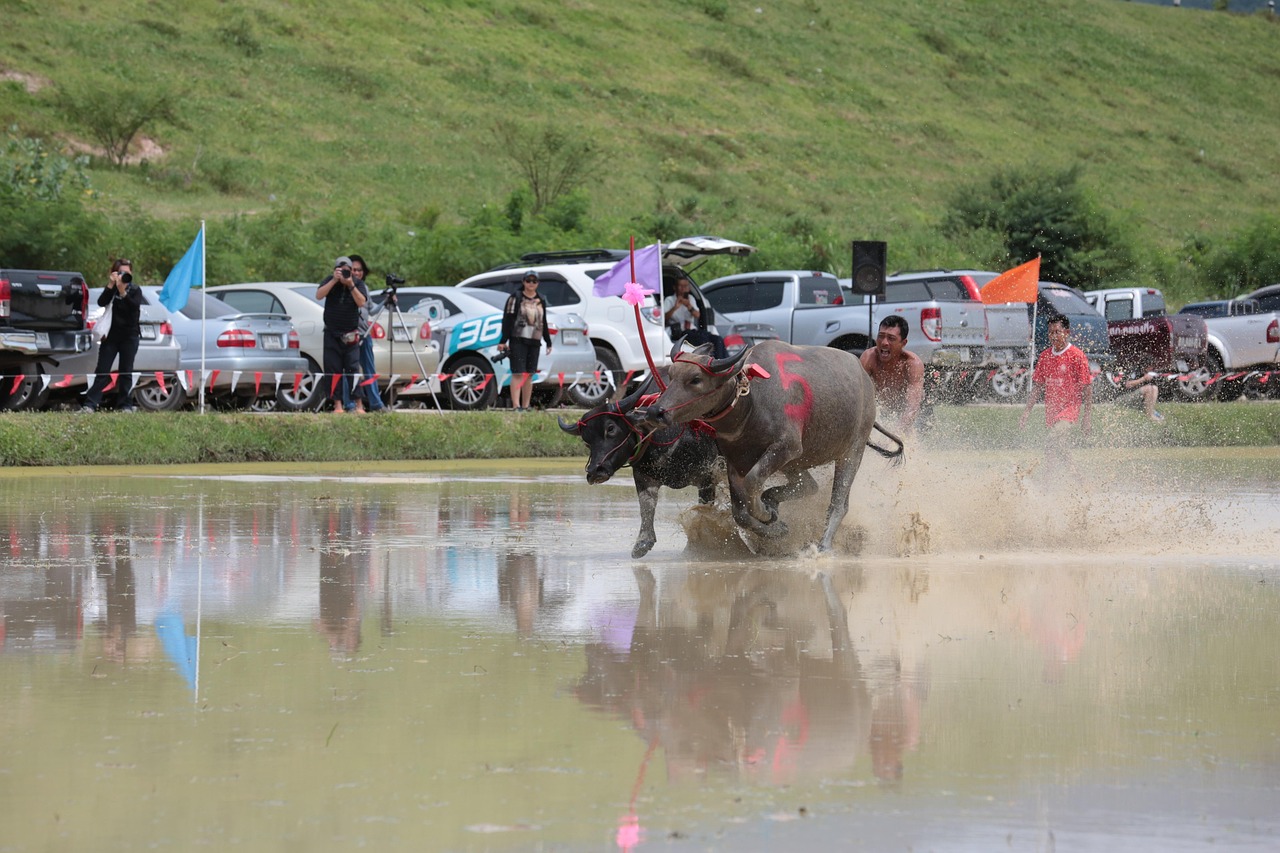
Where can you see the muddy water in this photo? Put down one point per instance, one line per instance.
(466, 658)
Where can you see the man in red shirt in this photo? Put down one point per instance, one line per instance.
(1063, 379)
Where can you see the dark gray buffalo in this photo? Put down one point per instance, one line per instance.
(776, 408)
(674, 457)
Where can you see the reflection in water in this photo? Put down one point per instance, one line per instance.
(753, 672)
(340, 583)
(1034, 671)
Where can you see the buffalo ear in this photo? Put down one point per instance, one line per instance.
(572, 429)
(733, 362)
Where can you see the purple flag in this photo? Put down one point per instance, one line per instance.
(648, 273)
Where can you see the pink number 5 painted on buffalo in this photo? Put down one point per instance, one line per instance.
(798, 412)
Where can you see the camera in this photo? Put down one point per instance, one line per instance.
(344, 272)
(502, 356)
(126, 277)
(393, 279)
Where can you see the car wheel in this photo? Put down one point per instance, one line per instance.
(470, 385)
(151, 398)
(1196, 385)
(1009, 383)
(31, 394)
(589, 391)
(310, 395)
(547, 398)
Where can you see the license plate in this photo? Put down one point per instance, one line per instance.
(148, 332)
(42, 340)
(570, 338)
(400, 334)
(272, 342)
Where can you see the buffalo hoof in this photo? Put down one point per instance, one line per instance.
(642, 547)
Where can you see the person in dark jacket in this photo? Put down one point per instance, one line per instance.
(524, 327)
(342, 295)
(122, 339)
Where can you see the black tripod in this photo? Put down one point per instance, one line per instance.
(389, 301)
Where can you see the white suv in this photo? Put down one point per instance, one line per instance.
(566, 280)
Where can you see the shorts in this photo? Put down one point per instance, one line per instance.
(524, 355)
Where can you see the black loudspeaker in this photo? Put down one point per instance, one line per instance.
(868, 267)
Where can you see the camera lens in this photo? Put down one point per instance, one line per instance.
(127, 278)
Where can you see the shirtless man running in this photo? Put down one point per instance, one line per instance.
(898, 374)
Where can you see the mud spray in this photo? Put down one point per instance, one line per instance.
(984, 502)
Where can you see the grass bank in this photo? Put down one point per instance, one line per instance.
(68, 439)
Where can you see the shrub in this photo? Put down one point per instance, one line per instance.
(1038, 212)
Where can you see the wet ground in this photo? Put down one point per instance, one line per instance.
(464, 657)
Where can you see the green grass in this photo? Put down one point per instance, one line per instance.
(186, 438)
(860, 118)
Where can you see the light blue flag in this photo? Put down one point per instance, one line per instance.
(187, 274)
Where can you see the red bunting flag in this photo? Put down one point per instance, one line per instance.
(160, 382)
(112, 383)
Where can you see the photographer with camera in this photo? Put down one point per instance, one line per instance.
(343, 296)
(372, 397)
(124, 298)
(524, 328)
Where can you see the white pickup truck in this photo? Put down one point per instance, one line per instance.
(817, 309)
(1244, 340)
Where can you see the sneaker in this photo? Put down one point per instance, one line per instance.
(87, 410)
(1157, 417)
(129, 409)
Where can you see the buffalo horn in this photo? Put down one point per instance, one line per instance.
(572, 429)
(722, 365)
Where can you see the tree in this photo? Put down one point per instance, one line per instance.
(551, 161)
(115, 114)
(1044, 213)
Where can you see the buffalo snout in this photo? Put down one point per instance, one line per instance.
(649, 417)
(598, 472)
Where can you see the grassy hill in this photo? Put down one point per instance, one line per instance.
(806, 119)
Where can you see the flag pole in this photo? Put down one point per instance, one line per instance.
(644, 341)
(203, 313)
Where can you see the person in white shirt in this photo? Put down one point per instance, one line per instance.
(683, 317)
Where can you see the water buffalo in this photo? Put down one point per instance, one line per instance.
(675, 457)
(775, 408)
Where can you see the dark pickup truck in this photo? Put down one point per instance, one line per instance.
(42, 319)
(1143, 336)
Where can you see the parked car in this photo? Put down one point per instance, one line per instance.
(1243, 337)
(43, 318)
(1215, 308)
(158, 353)
(1144, 337)
(567, 280)
(249, 353)
(466, 328)
(1268, 297)
(814, 308)
(412, 348)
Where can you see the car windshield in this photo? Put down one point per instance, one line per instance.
(308, 290)
(1206, 309)
(496, 298)
(199, 304)
(1066, 301)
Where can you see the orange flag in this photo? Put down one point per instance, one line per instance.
(1020, 284)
